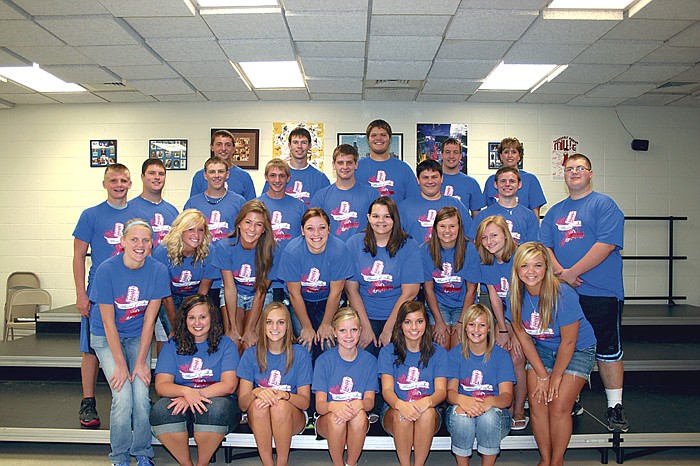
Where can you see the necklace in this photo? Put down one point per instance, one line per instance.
(529, 298)
(154, 203)
(211, 200)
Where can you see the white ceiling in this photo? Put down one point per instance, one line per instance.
(428, 51)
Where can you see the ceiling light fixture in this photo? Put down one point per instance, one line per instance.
(37, 79)
(273, 74)
(555, 72)
(236, 3)
(515, 77)
(590, 4)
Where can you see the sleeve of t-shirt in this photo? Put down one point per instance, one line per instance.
(248, 187)
(610, 224)
(210, 272)
(305, 374)
(352, 245)
(477, 201)
(533, 227)
(466, 219)
(412, 266)
(506, 312)
(441, 362)
(506, 373)
(288, 269)
(412, 188)
(162, 285)
(475, 225)
(544, 235)
(196, 184)
(428, 264)
(102, 291)
(231, 359)
(372, 372)
(320, 382)
(166, 359)
(569, 310)
(220, 258)
(83, 229)
(273, 274)
(317, 198)
(246, 366)
(385, 364)
(454, 362)
(341, 262)
(537, 198)
(472, 263)
(188, 204)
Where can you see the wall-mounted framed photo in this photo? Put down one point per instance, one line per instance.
(246, 147)
(431, 136)
(173, 152)
(359, 140)
(103, 152)
(494, 160)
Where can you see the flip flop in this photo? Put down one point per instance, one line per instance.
(519, 424)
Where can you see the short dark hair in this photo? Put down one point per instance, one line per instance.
(503, 170)
(578, 156)
(378, 124)
(346, 149)
(222, 133)
(453, 141)
(213, 160)
(299, 131)
(428, 165)
(148, 162)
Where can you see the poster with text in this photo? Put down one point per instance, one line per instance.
(430, 136)
(280, 141)
(562, 147)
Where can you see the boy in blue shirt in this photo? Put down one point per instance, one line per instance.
(456, 183)
(159, 213)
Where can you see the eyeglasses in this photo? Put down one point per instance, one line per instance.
(578, 169)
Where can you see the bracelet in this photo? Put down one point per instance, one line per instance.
(460, 323)
(289, 396)
(542, 379)
(503, 331)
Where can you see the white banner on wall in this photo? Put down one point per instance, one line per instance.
(562, 147)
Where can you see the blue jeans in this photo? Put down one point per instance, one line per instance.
(488, 429)
(449, 314)
(581, 363)
(130, 429)
(221, 417)
(315, 311)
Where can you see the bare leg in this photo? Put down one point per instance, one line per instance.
(612, 374)
(335, 434)
(488, 460)
(88, 373)
(462, 460)
(539, 414)
(423, 431)
(357, 432)
(260, 423)
(283, 430)
(520, 388)
(177, 444)
(207, 443)
(402, 431)
(560, 423)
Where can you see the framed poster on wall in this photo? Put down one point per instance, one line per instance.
(173, 152)
(431, 136)
(103, 152)
(359, 141)
(246, 147)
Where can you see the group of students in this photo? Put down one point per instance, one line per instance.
(314, 287)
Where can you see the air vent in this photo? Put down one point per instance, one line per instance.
(107, 87)
(114, 84)
(393, 84)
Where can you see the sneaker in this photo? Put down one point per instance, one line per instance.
(617, 419)
(88, 413)
(244, 419)
(577, 409)
(144, 461)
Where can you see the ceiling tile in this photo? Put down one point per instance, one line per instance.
(62, 55)
(671, 9)
(555, 87)
(687, 101)
(334, 86)
(8, 59)
(667, 54)
(331, 49)
(196, 97)
(82, 73)
(473, 49)
(496, 97)
(61, 7)
(583, 101)
(125, 96)
(179, 26)
(651, 73)
(417, 25)
(340, 97)
(504, 4)
(585, 73)
(25, 33)
(326, 5)
(560, 31)
(693, 74)
(403, 48)
(440, 98)
(144, 72)
(386, 69)
(161, 86)
(9, 11)
(249, 26)
(91, 30)
(535, 98)
(227, 96)
(329, 67)
(232, 84)
(617, 52)
(135, 8)
(646, 29)
(688, 38)
(465, 69)
(628, 90)
(529, 53)
(258, 50)
(300, 94)
(329, 26)
(653, 99)
(78, 98)
(28, 99)
(450, 86)
(204, 69)
(12, 88)
(121, 55)
(6, 105)
(397, 95)
(434, 7)
(490, 24)
(192, 49)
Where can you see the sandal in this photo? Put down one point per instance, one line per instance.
(519, 424)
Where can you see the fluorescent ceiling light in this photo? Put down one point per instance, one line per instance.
(516, 77)
(273, 74)
(236, 3)
(35, 78)
(591, 15)
(556, 72)
(590, 4)
(239, 11)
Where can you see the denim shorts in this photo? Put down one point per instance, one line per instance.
(222, 417)
(386, 409)
(450, 314)
(488, 430)
(580, 365)
(245, 302)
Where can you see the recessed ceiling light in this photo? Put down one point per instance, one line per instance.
(35, 78)
(516, 77)
(273, 74)
(236, 3)
(591, 4)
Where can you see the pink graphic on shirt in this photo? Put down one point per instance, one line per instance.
(384, 186)
(160, 229)
(426, 221)
(196, 374)
(514, 234)
(347, 218)
(411, 383)
(280, 229)
(450, 191)
(244, 275)
(447, 283)
(571, 228)
(113, 236)
(274, 380)
(344, 392)
(379, 281)
(296, 190)
(532, 327)
(130, 306)
(502, 288)
(312, 283)
(219, 230)
(184, 283)
(475, 386)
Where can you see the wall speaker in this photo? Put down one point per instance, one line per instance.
(640, 144)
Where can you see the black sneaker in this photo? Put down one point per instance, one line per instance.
(88, 413)
(577, 409)
(617, 419)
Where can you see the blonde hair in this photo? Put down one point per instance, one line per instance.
(173, 243)
(487, 257)
(261, 348)
(470, 315)
(343, 314)
(549, 288)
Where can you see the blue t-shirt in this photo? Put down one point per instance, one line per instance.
(201, 369)
(315, 272)
(229, 254)
(480, 378)
(161, 216)
(221, 215)
(530, 194)
(380, 277)
(347, 209)
(101, 227)
(412, 381)
(129, 291)
(418, 215)
(285, 216)
(448, 283)
(299, 375)
(572, 227)
(393, 178)
(497, 275)
(568, 311)
(465, 189)
(522, 222)
(345, 380)
(304, 183)
(186, 277)
(239, 182)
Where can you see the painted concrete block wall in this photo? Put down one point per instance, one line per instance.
(46, 181)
